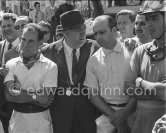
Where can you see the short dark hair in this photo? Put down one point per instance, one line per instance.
(131, 14)
(8, 16)
(36, 3)
(46, 24)
(36, 27)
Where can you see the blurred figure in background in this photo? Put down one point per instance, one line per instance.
(20, 23)
(49, 15)
(26, 9)
(59, 32)
(141, 31)
(46, 28)
(36, 15)
(125, 23)
(63, 8)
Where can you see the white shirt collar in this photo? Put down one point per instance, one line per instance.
(68, 49)
(15, 42)
(41, 59)
(117, 48)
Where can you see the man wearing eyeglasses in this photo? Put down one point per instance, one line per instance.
(144, 78)
(11, 40)
(21, 21)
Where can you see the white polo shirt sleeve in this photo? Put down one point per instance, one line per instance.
(10, 76)
(91, 78)
(51, 76)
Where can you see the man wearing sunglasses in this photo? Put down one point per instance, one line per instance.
(144, 78)
(59, 32)
(21, 21)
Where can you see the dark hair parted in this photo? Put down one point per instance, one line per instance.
(132, 14)
(35, 27)
(7, 16)
(36, 3)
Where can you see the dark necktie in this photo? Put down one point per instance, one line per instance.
(9, 46)
(74, 67)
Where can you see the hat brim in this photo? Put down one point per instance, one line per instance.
(69, 28)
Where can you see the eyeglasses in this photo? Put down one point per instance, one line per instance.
(157, 54)
(8, 26)
(45, 32)
(17, 27)
(59, 35)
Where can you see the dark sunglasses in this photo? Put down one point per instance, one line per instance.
(17, 27)
(59, 35)
(45, 32)
(157, 54)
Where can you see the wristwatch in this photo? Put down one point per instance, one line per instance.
(34, 96)
(138, 81)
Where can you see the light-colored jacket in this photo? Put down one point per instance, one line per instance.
(32, 16)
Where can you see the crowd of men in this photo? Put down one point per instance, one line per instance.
(114, 83)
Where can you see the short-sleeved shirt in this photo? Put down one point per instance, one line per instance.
(105, 71)
(153, 71)
(42, 74)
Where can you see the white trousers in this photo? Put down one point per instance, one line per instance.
(30, 122)
(1, 128)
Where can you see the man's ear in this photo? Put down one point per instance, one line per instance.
(41, 42)
(114, 29)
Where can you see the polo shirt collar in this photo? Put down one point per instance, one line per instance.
(41, 59)
(117, 48)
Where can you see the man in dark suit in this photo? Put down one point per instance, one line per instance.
(71, 110)
(11, 40)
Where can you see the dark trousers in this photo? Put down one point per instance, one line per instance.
(53, 29)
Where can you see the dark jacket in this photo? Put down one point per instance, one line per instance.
(64, 107)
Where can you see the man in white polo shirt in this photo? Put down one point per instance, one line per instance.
(104, 77)
(33, 77)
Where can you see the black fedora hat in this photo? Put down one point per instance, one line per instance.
(71, 19)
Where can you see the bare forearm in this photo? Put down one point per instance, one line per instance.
(21, 98)
(101, 105)
(157, 90)
(131, 90)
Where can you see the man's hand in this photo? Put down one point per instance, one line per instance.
(130, 44)
(119, 117)
(45, 100)
(4, 71)
(160, 125)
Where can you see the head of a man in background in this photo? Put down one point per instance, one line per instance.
(8, 26)
(125, 23)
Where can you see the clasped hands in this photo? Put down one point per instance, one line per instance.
(119, 120)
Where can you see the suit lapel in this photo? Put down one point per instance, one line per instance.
(62, 65)
(84, 55)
